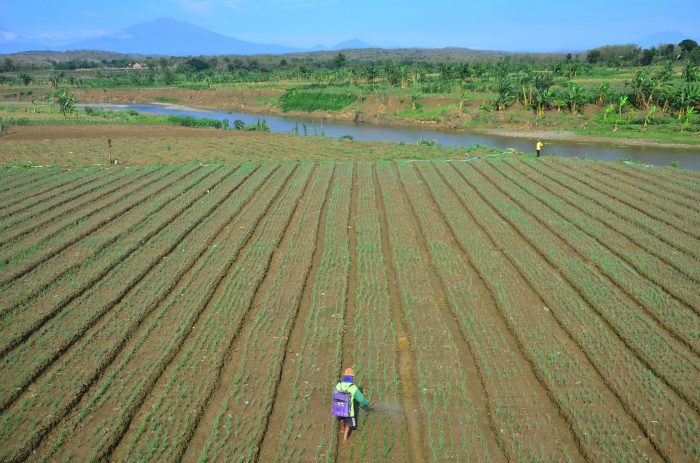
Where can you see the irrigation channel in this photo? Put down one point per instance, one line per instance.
(683, 158)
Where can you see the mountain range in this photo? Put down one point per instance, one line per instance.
(166, 36)
(169, 37)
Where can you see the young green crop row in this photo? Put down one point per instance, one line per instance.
(670, 228)
(493, 310)
(522, 413)
(573, 192)
(657, 204)
(34, 242)
(612, 254)
(669, 358)
(601, 430)
(680, 184)
(44, 241)
(630, 243)
(667, 197)
(134, 371)
(574, 296)
(214, 305)
(16, 226)
(237, 416)
(370, 343)
(38, 276)
(93, 329)
(450, 401)
(20, 198)
(299, 426)
(22, 181)
(33, 299)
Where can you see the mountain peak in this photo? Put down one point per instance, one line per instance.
(352, 44)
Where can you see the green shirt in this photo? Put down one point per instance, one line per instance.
(355, 394)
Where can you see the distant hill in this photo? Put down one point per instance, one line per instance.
(354, 44)
(166, 36)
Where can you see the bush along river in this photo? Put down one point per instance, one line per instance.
(652, 155)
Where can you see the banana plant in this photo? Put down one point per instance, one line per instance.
(576, 98)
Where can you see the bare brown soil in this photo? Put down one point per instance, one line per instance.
(142, 145)
(204, 312)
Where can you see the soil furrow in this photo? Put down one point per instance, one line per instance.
(643, 293)
(109, 344)
(347, 357)
(618, 194)
(486, 332)
(573, 308)
(643, 237)
(20, 224)
(478, 393)
(210, 296)
(444, 361)
(44, 276)
(24, 201)
(46, 307)
(413, 418)
(254, 366)
(657, 229)
(312, 359)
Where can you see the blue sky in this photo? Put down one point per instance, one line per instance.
(535, 25)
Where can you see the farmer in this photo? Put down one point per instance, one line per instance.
(539, 147)
(346, 385)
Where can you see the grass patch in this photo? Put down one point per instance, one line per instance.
(165, 99)
(305, 100)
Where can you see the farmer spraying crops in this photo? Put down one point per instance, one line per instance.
(345, 397)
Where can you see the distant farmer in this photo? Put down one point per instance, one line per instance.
(539, 147)
(345, 397)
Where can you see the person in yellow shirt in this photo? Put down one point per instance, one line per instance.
(539, 147)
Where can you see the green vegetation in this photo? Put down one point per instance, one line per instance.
(613, 91)
(307, 100)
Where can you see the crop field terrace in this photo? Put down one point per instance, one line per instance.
(497, 310)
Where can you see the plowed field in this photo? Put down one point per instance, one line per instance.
(494, 310)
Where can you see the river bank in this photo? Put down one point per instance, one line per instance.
(392, 110)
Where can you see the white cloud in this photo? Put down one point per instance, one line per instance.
(7, 35)
(76, 35)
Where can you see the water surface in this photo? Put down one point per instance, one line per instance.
(686, 159)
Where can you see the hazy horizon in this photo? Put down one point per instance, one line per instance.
(513, 25)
